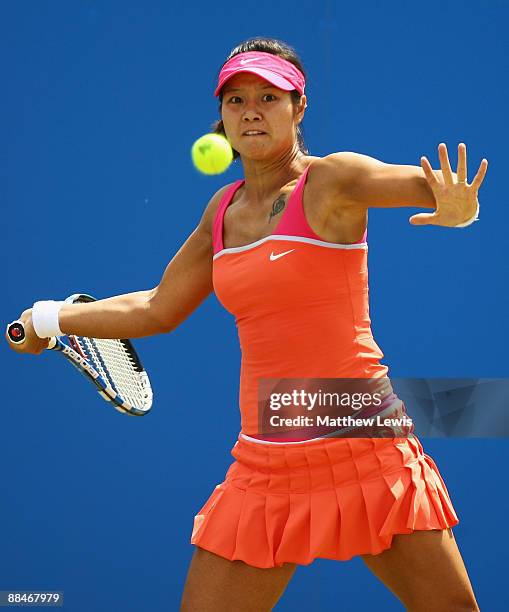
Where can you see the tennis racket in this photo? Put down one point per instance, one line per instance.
(113, 366)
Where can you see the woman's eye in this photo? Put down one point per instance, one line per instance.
(265, 98)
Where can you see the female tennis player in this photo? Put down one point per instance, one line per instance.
(285, 252)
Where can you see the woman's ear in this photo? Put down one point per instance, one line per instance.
(301, 107)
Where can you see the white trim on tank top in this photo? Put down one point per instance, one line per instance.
(323, 243)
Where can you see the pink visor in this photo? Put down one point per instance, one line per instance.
(274, 69)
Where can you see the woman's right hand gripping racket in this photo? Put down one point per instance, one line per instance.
(113, 366)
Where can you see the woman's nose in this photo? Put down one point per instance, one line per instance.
(251, 112)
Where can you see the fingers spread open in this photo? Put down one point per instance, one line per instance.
(462, 163)
(423, 219)
(431, 177)
(481, 173)
(444, 164)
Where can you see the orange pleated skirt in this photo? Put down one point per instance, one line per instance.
(329, 498)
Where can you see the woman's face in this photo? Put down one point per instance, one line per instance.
(251, 104)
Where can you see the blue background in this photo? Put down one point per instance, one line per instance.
(101, 102)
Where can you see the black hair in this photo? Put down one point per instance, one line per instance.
(276, 47)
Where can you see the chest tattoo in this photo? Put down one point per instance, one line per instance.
(277, 206)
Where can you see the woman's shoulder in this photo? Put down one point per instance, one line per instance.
(345, 165)
(335, 170)
(331, 213)
(209, 214)
(332, 163)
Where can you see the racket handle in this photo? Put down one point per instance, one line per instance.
(16, 332)
(17, 335)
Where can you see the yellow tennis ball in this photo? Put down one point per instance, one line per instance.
(212, 154)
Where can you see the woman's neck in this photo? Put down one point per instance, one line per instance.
(263, 178)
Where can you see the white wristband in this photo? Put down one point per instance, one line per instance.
(45, 318)
(470, 221)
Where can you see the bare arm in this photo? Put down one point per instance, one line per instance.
(185, 284)
(363, 181)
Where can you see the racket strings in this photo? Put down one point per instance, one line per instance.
(116, 364)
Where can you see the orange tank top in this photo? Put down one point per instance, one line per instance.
(300, 304)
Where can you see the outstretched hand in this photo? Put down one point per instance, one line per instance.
(456, 202)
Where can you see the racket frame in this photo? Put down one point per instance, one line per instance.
(73, 354)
